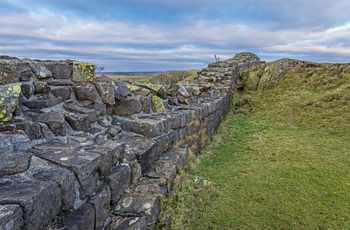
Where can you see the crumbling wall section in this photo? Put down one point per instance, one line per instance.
(80, 152)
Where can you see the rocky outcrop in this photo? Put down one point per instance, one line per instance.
(85, 153)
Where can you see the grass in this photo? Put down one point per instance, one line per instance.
(281, 160)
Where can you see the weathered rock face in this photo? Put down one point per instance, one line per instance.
(95, 153)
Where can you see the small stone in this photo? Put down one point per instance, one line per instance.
(85, 92)
(41, 88)
(11, 217)
(54, 120)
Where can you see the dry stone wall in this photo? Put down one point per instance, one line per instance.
(79, 152)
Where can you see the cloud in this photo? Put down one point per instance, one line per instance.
(173, 34)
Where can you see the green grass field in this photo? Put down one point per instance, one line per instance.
(281, 160)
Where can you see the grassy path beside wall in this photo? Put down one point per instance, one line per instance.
(281, 160)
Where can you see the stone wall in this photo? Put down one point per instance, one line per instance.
(79, 152)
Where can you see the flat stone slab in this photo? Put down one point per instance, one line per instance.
(84, 164)
(139, 205)
(11, 217)
(128, 223)
(118, 181)
(177, 156)
(41, 201)
(163, 170)
(143, 149)
(147, 127)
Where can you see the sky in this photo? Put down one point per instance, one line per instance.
(157, 35)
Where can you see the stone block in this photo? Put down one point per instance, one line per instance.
(85, 93)
(24, 72)
(162, 144)
(109, 156)
(9, 95)
(142, 148)
(177, 156)
(39, 69)
(82, 218)
(118, 181)
(74, 108)
(101, 202)
(14, 158)
(137, 204)
(61, 91)
(106, 90)
(158, 105)
(163, 170)
(54, 120)
(128, 106)
(79, 122)
(84, 164)
(83, 72)
(121, 90)
(40, 103)
(41, 87)
(8, 72)
(136, 171)
(44, 170)
(128, 223)
(11, 217)
(31, 129)
(27, 89)
(59, 70)
(40, 201)
(146, 127)
(155, 186)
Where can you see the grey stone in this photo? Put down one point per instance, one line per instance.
(102, 138)
(85, 92)
(162, 144)
(113, 131)
(41, 87)
(118, 181)
(61, 91)
(54, 120)
(155, 186)
(39, 69)
(121, 90)
(31, 129)
(82, 218)
(74, 108)
(128, 223)
(40, 103)
(128, 106)
(142, 148)
(24, 71)
(109, 156)
(27, 89)
(146, 127)
(147, 205)
(43, 170)
(60, 83)
(177, 156)
(136, 172)
(59, 70)
(84, 164)
(40, 201)
(11, 217)
(79, 122)
(183, 91)
(106, 90)
(14, 158)
(101, 203)
(163, 170)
